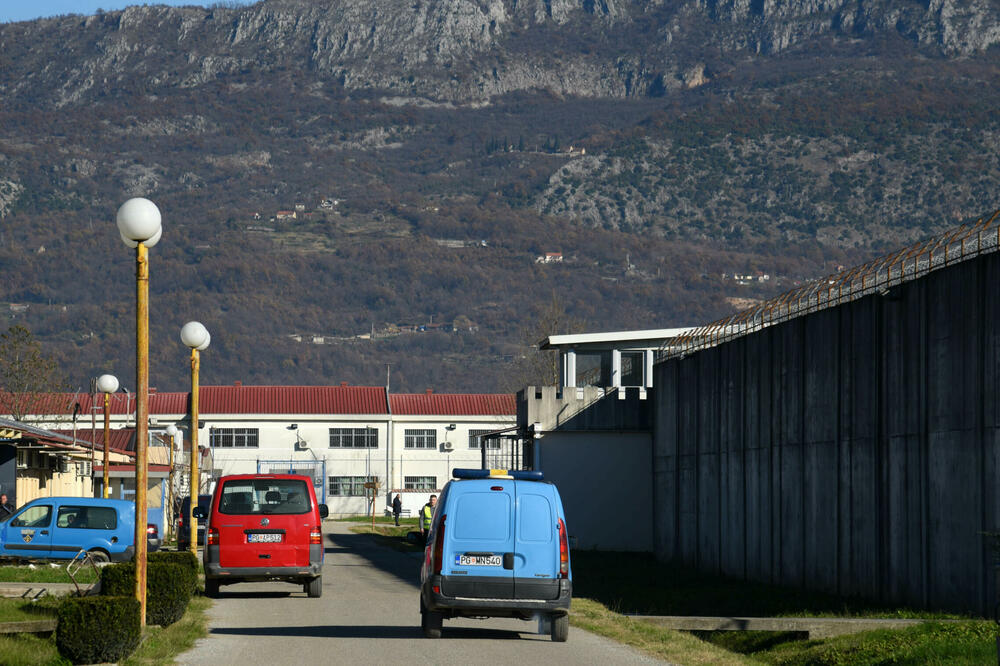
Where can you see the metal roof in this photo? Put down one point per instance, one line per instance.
(877, 276)
(648, 339)
(341, 399)
(453, 404)
(52, 404)
(121, 440)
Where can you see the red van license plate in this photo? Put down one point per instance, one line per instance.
(264, 538)
(479, 560)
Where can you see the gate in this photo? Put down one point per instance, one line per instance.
(315, 469)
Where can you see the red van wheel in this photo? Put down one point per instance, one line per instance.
(314, 587)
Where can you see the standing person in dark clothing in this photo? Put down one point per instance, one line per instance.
(397, 508)
(6, 508)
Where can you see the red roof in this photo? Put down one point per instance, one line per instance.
(121, 440)
(120, 403)
(457, 404)
(341, 399)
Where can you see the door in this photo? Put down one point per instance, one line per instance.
(264, 522)
(479, 541)
(536, 563)
(29, 532)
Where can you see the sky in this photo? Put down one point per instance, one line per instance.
(26, 10)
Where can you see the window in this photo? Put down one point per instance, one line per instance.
(264, 496)
(633, 365)
(353, 438)
(419, 483)
(349, 486)
(420, 439)
(227, 438)
(87, 517)
(475, 440)
(36, 516)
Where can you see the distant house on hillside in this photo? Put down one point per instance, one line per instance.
(549, 258)
(286, 214)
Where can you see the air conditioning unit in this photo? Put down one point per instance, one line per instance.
(447, 446)
(63, 465)
(301, 445)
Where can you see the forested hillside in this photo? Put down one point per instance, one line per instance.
(327, 172)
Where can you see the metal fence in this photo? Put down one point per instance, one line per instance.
(506, 449)
(876, 276)
(316, 469)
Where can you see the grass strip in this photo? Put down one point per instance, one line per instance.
(160, 645)
(46, 573)
(674, 646)
(22, 610)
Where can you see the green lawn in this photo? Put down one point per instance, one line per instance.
(46, 573)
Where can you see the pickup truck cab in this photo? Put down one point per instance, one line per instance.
(60, 527)
(498, 547)
(264, 527)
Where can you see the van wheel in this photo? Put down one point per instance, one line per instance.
(430, 622)
(211, 588)
(560, 628)
(314, 587)
(99, 557)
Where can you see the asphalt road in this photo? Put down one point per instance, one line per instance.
(369, 613)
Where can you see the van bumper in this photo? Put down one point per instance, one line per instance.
(123, 556)
(494, 607)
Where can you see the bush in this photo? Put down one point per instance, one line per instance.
(168, 588)
(93, 630)
(186, 559)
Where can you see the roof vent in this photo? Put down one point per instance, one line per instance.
(237, 383)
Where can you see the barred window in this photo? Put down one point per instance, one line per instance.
(419, 482)
(476, 437)
(227, 438)
(353, 438)
(349, 486)
(420, 439)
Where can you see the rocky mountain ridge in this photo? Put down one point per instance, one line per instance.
(462, 50)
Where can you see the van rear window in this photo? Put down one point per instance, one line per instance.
(245, 497)
(535, 519)
(482, 517)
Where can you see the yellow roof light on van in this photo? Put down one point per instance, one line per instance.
(500, 474)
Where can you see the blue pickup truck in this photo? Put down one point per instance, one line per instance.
(60, 527)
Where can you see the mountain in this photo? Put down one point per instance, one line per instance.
(329, 170)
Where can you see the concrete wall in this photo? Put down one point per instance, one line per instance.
(855, 450)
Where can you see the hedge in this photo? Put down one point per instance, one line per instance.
(185, 558)
(100, 629)
(168, 588)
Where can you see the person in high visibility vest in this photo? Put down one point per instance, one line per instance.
(426, 516)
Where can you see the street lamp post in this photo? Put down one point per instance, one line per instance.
(197, 337)
(107, 384)
(139, 225)
(172, 434)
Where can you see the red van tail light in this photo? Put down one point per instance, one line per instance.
(151, 530)
(212, 536)
(316, 535)
(439, 546)
(563, 550)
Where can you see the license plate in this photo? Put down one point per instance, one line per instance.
(479, 560)
(263, 538)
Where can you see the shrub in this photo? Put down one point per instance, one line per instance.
(186, 559)
(98, 629)
(168, 588)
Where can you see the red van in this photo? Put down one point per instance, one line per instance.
(264, 527)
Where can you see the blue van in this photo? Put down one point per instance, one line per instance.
(60, 527)
(498, 547)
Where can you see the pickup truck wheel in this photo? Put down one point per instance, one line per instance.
(314, 587)
(560, 628)
(99, 557)
(211, 588)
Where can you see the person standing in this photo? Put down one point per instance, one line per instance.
(6, 508)
(426, 516)
(397, 508)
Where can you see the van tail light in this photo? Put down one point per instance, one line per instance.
(439, 546)
(316, 535)
(563, 550)
(151, 530)
(212, 536)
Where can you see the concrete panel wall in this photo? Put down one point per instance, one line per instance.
(855, 450)
(605, 485)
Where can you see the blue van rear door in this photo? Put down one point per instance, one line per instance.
(536, 562)
(479, 532)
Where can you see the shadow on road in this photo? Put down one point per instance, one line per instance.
(365, 631)
(404, 566)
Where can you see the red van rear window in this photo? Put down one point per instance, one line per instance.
(242, 497)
